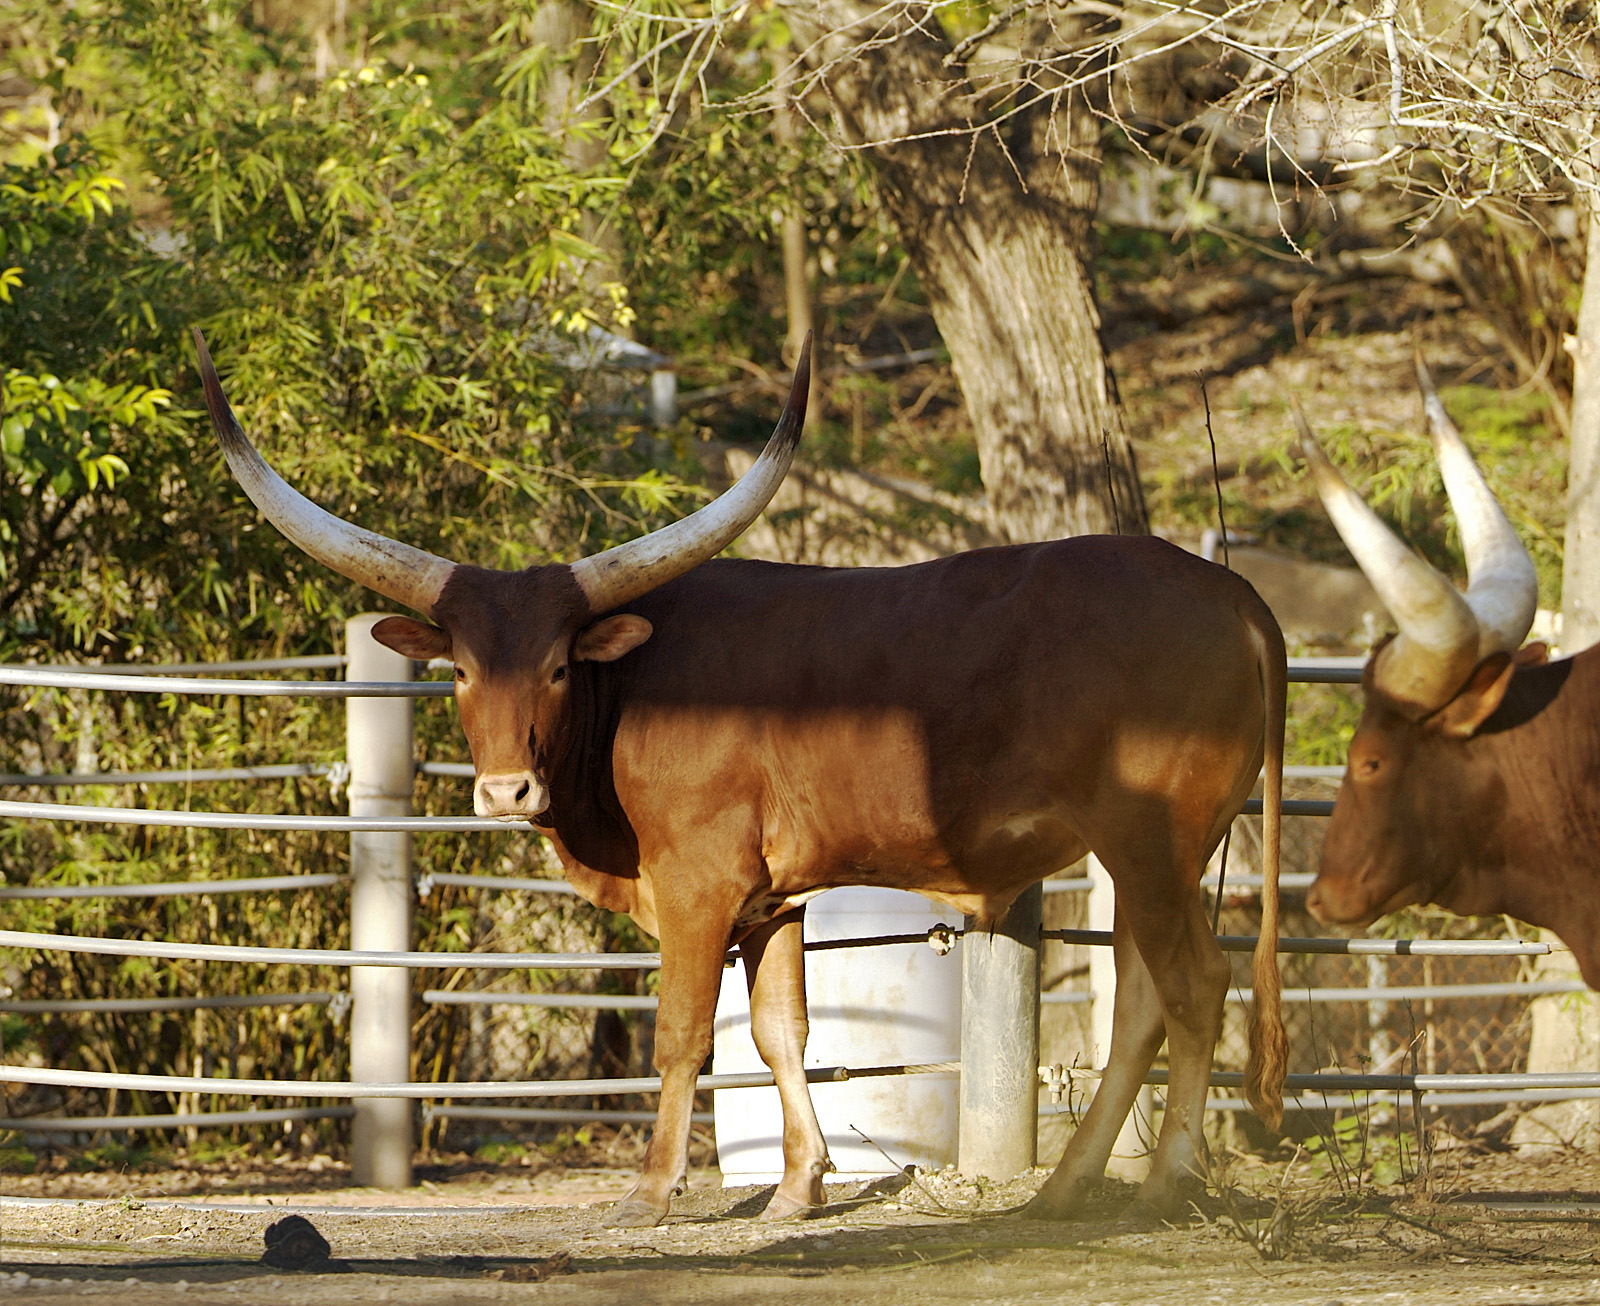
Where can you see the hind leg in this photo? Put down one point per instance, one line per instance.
(774, 961)
(1137, 1031)
(1190, 976)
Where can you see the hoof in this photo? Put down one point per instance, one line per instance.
(1140, 1215)
(631, 1213)
(782, 1207)
(1064, 1203)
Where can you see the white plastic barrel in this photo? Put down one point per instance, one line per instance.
(884, 1006)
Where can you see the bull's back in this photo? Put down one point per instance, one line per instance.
(986, 705)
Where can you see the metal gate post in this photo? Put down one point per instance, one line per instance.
(378, 749)
(1000, 1042)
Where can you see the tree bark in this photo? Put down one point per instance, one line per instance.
(1566, 1028)
(998, 223)
(1580, 581)
(796, 254)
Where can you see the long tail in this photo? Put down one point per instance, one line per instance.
(1268, 1062)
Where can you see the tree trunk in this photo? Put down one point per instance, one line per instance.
(796, 255)
(1580, 582)
(562, 28)
(1566, 1027)
(998, 225)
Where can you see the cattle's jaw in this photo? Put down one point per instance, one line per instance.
(1351, 899)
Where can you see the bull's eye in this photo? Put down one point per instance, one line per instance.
(460, 674)
(559, 675)
(1367, 767)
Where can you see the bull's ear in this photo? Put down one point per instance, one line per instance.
(1535, 654)
(1475, 704)
(416, 639)
(608, 640)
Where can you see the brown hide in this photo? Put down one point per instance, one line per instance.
(962, 727)
(1502, 820)
(713, 753)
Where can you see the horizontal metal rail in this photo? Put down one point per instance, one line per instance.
(51, 678)
(1394, 993)
(225, 1002)
(1424, 992)
(1291, 807)
(305, 662)
(201, 775)
(1431, 1100)
(549, 1115)
(206, 775)
(651, 960)
(174, 888)
(1326, 671)
(428, 880)
(525, 1088)
(330, 956)
(1477, 1081)
(1351, 947)
(1292, 881)
(251, 820)
(177, 1120)
(1337, 1090)
(310, 662)
(572, 1001)
(492, 883)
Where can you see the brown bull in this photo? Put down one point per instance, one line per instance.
(708, 744)
(1474, 771)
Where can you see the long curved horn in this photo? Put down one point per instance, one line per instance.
(1502, 586)
(395, 570)
(1438, 642)
(612, 578)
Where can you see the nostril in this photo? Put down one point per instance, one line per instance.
(522, 792)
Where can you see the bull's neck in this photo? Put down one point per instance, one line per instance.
(1533, 852)
(585, 813)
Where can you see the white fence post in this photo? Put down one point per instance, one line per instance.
(1130, 1158)
(378, 749)
(999, 1129)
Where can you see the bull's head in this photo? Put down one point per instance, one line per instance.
(1391, 842)
(514, 637)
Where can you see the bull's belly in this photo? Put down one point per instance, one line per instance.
(978, 875)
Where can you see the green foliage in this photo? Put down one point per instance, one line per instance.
(497, 1151)
(17, 1160)
(1356, 1155)
(384, 264)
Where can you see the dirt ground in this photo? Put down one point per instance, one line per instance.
(1496, 1229)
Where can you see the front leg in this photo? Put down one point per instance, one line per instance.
(693, 944)
(775, 971)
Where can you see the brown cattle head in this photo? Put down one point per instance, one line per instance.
(1410, 787)
(518, 639)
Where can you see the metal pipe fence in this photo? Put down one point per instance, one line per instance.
(177, 1120)
(1316, 1092)
(420, 1090)
(221, 1002)
(172, 888)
